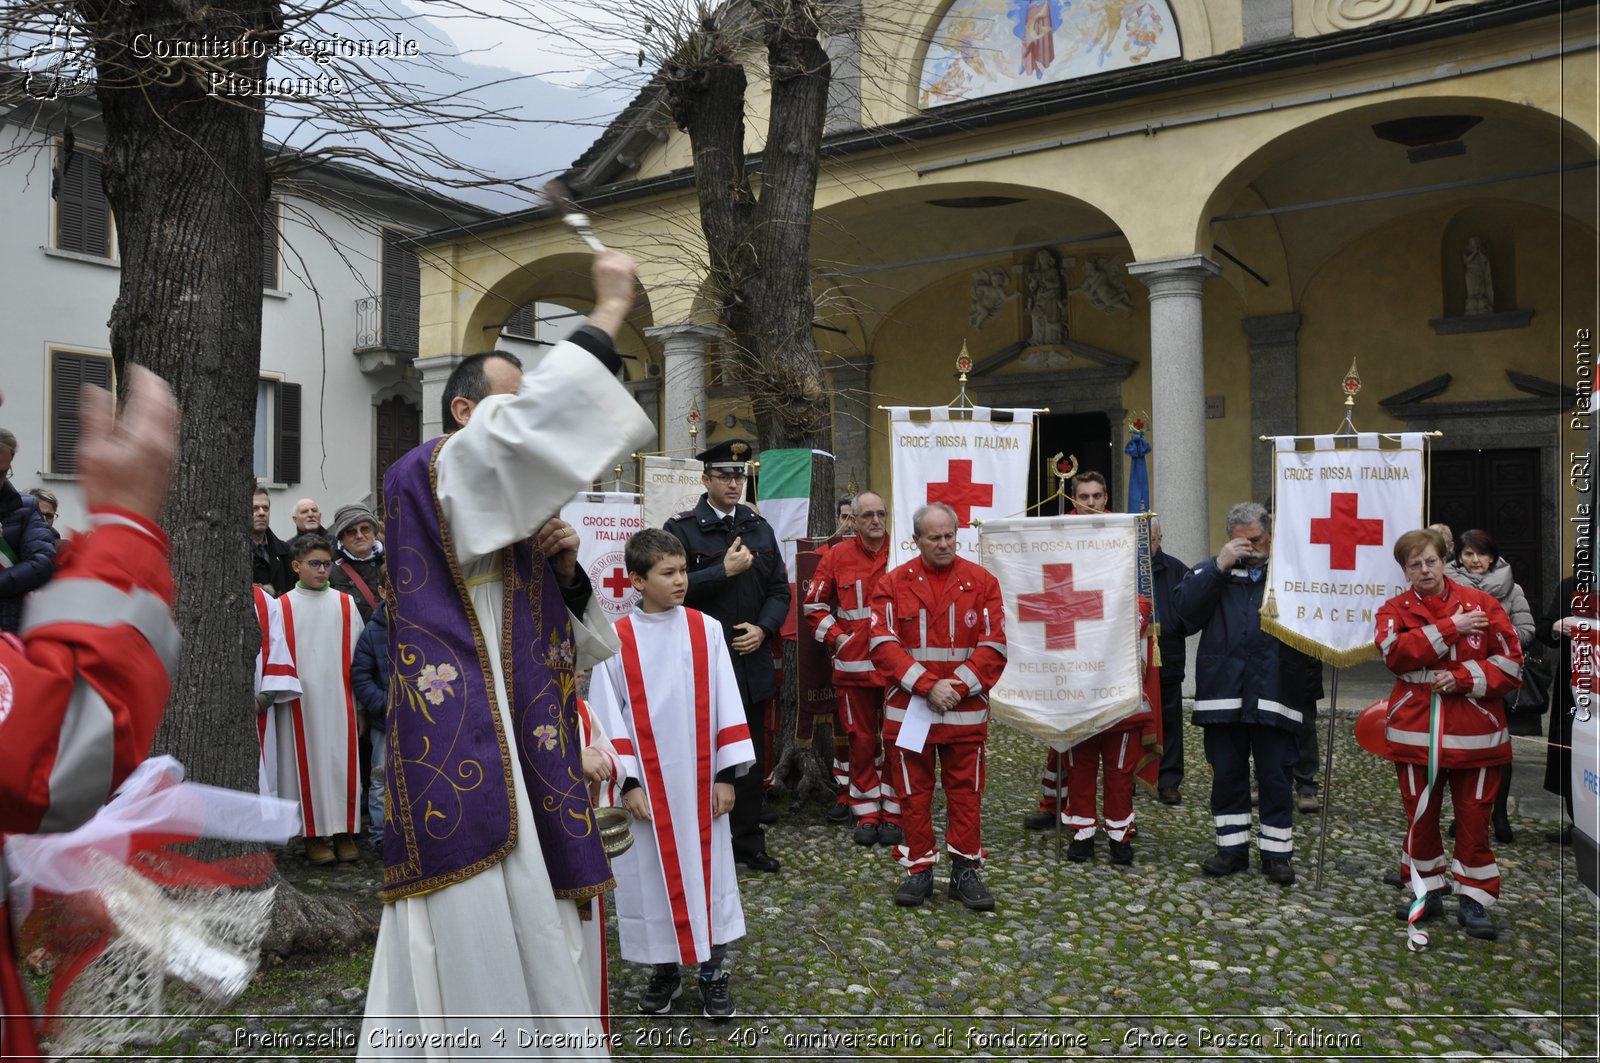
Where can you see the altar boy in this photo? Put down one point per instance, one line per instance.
(670, 703)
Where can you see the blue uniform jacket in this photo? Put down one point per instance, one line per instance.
(369, 667)
(1242, 674)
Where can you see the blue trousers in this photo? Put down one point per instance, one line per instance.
(1229, 749)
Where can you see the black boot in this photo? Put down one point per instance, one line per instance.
(968, 888)
(1498, 818)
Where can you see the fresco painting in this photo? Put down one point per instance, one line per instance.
(984, 47)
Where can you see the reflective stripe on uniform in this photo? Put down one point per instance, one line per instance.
(1480, 681)
(87, 601)
(854, 614)
(1436, 640)
(939, 653)
(998, 647)
(853, 666)
(81, 777)
(1280, 709)
(1449, 741)
(967, 676)
(909, 680)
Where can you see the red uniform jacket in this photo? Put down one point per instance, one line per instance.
(838, 606)
(80, 697)
(920, 637)
(1418, 637)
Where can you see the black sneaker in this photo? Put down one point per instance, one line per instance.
(665, 987)
(1081, 851)
(1476, 921)
(1225, 863)
(838, 814)
(968, 888)
(1279, 871)
(716, 1003)
(866, 834)
(916, 888)
(1432, 908)
(890, 834)
(1122, 853)
(1039, 820)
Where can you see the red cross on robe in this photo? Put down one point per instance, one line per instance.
(1342, 530)
(959, 492)
(1059, 608)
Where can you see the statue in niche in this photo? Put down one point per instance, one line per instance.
(1103, 286)
(989, 295)
(1047, 304)
(1479, 277)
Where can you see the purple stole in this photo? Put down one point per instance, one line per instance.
(452, 810)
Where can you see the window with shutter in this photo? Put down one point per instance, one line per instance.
(524, 324)
(269, 246)
(286, 435)
(70, 371)
(83, 216)
(402, 294)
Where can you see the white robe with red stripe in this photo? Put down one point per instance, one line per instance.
(275, 673)
(671, 704)
(316, 732)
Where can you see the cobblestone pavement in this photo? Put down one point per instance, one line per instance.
(1153, 960)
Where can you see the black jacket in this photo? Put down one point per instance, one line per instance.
(758, 595)
(32, 545)
(1166, 572)
(269, 564)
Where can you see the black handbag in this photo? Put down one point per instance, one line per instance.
(1538, 678)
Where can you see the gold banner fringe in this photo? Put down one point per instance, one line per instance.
(1312, 648)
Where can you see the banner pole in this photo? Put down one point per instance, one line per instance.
(1327, 776)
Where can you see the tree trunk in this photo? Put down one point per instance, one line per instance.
(185, 177)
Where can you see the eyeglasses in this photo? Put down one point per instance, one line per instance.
(318, 565)
(49, 518)
(728, 477)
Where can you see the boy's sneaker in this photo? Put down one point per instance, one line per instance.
(716, 1003)
(968, 888)
(890, 834)
(1476, 921)
(665, 987)
(916, 888)
(319, 852)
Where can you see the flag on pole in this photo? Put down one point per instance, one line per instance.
(1072, 623)
(784, 495)
(977, 466)
(605, 521)
(668, 486)
(1337, 512)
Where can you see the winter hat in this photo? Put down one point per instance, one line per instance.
(348, 517)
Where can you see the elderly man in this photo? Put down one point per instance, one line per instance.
(939, 641)
(736, 575)
(357, 557)
(82, 691)
(269, 555)
(1250, 697)
(490, 849)
(49, 508)
(837, 610)
(307, 517)
(27, 549)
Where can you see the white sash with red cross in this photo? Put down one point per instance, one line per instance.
(977, 465)
(1070, 586)
(1337, 511)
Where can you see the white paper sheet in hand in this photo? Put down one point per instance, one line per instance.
(914, 728)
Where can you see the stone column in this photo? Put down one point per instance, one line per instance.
(1178, 399)
(435, 370)
(852, 424)
(1274, 391)
(683, 381)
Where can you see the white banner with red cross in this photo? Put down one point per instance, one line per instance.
(604, 521)
(1337, 511)
(1071, 587)
(978, 466)
(669, 486)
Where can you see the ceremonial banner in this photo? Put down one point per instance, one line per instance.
(604, 521)
(813, 662)
(669, 486)
(978, 467)
(784, 494)
(1337, 515)
(1072, 623)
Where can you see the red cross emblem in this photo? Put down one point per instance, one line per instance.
(618, 583)
(959, 492)
(1059, 608)
(1342, 531)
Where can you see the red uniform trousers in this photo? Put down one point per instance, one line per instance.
(870, 789)
(1472, 793)
(1118, 751)
(962, 774)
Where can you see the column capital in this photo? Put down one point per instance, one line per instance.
(433, 364)
(1179, 275)
(683, 335)
(1271, 329)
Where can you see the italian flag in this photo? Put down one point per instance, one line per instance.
(784, 494)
